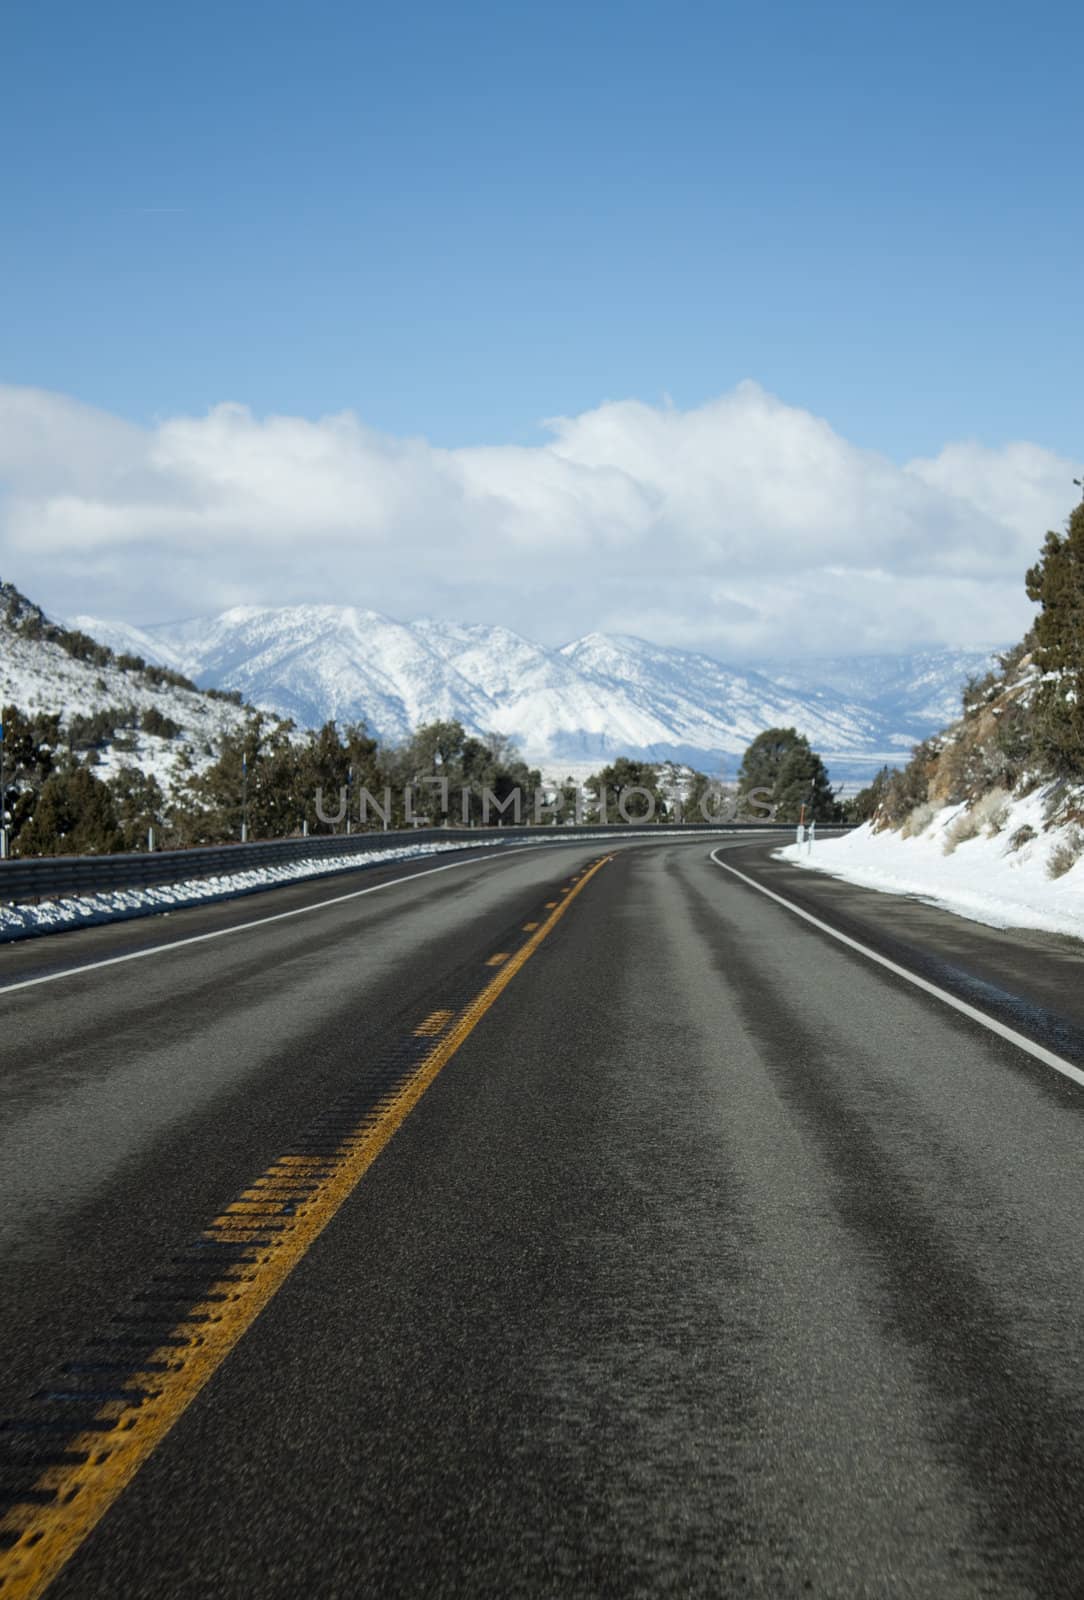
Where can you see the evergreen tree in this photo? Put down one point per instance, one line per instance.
(709, 799)
(617, 779)
(323, 766)
(139, 805)
(861, 807)
(1057, 583)
(31, 743)
(254, 780)
(73, 816)
(781, 761)
(495, 764)
(365, 770)
(564, 808)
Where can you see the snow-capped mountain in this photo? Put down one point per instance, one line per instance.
(593, 699)
(921, 690)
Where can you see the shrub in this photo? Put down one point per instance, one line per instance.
(82, 647)
(907, 787)
(1022, 836)
(918, 820)
(166, 678)
(977, 691)
(1012, 658)
(866, 803)
(155, 722)
(969, 765)
(965, 826)
(94, 729)
(991, 811)
(1065, 854)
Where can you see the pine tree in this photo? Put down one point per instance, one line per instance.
(139, 804)
(1057, 583)
(781, 761)
(31, 743)
(73, 816)
(616, 780)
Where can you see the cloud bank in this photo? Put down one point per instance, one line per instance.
(742, 527)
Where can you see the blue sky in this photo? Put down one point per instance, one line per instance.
(289, 292)
(459, 220)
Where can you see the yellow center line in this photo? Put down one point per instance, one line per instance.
(47, 1536)
(434, 1023)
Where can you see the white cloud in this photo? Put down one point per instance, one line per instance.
(743, 527)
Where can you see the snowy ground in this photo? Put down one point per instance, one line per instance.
(983, 878)
(116, 905)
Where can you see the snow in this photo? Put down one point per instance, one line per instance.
(593, 699)
(116, 905)
(982, 878)
(36, 675)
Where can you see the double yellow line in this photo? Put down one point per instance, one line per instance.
(47, 1536)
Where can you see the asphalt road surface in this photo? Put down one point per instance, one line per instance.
(573, 1221)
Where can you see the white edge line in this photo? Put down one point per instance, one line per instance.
(1047, 1057)
(243, 927)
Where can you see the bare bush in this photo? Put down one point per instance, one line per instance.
(991, 811)
(918, 821)
(1065, 854)
(965, 826)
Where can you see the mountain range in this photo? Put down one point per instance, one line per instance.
(567, 708)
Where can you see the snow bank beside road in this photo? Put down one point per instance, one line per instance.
(113, 905)
(999, 878)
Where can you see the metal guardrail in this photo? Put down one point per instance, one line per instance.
(52, 877)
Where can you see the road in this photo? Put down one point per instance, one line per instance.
(576, 1221)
